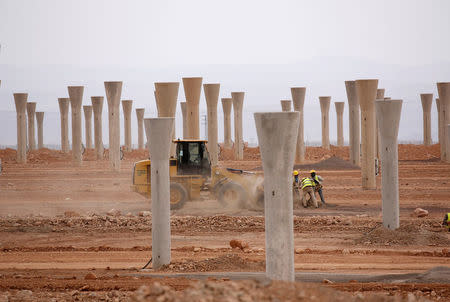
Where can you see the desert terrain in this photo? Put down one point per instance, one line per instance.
(70, 233)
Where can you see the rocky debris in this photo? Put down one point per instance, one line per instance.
(24, 295)
(419, 212)
(71, 214)
(145, 213)
(90, 276)
(239, 244)
(326, 281)
(113, 212)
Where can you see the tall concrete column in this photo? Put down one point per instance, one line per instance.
(113, 93)
(212, 97)
(353, 122)
(340, 122)
(226, 107)
(97, 106)
(76, 99)
(183, 113)
(192, 91)
(444, 97)
(167, 96)
(31, 114)
(380, 96)
(127, 106)
(298, 98)
(88, 125)
(438, 107)
(427, 101)
(238, 103)
(285, 105)
(140, 123)
(20, 99)
(40, 129)
(388, 115)
(366, 91)
(64, 116)
(278, 129)
(325, 109)
(159, 132)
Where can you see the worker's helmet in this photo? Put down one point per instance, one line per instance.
(295, 173)
(312, 171)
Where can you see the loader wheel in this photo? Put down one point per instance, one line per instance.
(178, 196)
(232, 194)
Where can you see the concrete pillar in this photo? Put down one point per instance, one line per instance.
(444, 97)
(183, 112)
(238, 102)
(388, 114)
(156, 101)
(76, 99)
(427, 101)
(298, 98)
(159, 132)
(285, 105)
(20, 99)
(325, 109)
(127, 107)
(226, 107)
(366, 91)
(278, 129)
(97, 106)
(380, 96)
(212, 97)
(380, 93)
(88, 125)
(353, 122)
(340, 122)
(167, 96)
(40, 129)
(192, 91)
(438, 107)
(113, 93)
(31, 114)
(64, 116)
(140, 123)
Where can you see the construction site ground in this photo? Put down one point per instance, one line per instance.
(79, 233)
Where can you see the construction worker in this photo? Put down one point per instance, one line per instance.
(307, 185)
(446, 221)
(296, 182)
(318, 184)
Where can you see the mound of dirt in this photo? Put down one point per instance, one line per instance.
(405, 235)
(250, 290)
(228, 262)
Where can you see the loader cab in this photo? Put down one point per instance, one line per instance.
(193, 158)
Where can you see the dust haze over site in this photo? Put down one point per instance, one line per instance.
(252, 46)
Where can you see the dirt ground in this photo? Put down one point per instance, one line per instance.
(71, 233)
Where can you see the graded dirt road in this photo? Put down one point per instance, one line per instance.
(55, 229)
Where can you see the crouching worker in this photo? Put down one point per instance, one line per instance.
(307, 186)
(446, 221)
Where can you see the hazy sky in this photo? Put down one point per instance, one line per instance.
(261, 47)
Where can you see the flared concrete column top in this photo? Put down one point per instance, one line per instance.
(366, 93)
(166, 94)
(39, 116)
(211, 93)
(63, 105)
(324, 103)
(192, 89)
(350, 87)
(127, 106)
(427, 100)
(238, 100)
(298, 97)
(285, 105)
(75, 96)
(339, 107)
(380, 93)
(388, 113)
(97, 103)
(226, 105)
(160, 131)
(20, 99)
(140, 113)
(443, 91)
(113, 92)
(31, 108)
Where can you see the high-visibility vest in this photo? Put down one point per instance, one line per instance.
(448, 220)
(307, 182)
